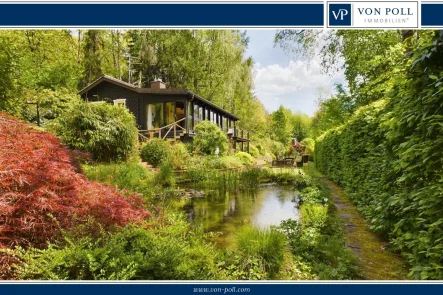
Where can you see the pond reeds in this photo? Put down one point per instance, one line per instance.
(267, 245)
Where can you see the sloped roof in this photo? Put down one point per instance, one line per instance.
(109, 79)
(134, 88)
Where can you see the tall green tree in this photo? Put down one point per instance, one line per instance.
(281, 130)
(211, 63)
(365, 70)
(333, 111)
(93, 54)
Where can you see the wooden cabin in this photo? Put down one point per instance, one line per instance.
(164, 113)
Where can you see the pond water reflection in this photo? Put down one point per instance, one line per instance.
(224, 213)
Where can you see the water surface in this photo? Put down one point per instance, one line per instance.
(223, 213)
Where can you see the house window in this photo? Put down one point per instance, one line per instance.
(200, 114)
(120, 102)
(170, 113)
(154, 116)
(197, 115)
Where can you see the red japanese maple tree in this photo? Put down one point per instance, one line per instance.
(42, 191)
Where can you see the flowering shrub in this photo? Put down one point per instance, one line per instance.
(41, 191)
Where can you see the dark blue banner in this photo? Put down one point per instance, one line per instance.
(162, 15)
(432, 14)
(227, 288)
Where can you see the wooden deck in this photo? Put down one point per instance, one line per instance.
(175, 131)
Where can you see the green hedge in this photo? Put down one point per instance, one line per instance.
(397, 197)
(389, 158)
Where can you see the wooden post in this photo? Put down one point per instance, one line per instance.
(175, 131)
(38, 114)
(192, 114)
(186, 116)
(249, 142)
(235, 130)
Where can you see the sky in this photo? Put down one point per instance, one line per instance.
(280, 79)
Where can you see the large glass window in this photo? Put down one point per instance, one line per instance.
(154, 116)
(170, 113)
(180, 112)
(197, 115)
(200, 113)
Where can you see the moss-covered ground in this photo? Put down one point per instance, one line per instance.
(375, 260)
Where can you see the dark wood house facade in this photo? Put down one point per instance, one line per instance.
(164, 113)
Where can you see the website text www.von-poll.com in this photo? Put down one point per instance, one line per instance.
(224, 290)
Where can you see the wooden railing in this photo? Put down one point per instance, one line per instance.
(241, 133)
(163, 132)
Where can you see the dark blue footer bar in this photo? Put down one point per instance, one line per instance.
(162, 15)
(226, 288)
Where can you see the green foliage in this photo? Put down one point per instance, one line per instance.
(108, 132)
(266, 245)
(365, 70)
(155, 151)
(208, 138)
(310, 145)
(244, 267)
(52, 104)
(7, 76)
(333, 111)
(388, 158)
(178, 156)
(314, 215)
(312, 195)
(254, 151)
(278, 149)
(205, 163)
(268, 147)
(301, 126)
(281, 129)
(165, 177)
(245, 158)
(169, 251)
(317, 240)
(128, 176)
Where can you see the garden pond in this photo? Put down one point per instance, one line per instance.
(222, 213)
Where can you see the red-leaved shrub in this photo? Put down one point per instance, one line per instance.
(42, 192)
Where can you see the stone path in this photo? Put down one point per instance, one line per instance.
(375, 260)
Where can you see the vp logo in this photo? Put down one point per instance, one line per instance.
(339, 14)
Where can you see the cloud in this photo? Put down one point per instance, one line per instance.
(294, 86)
